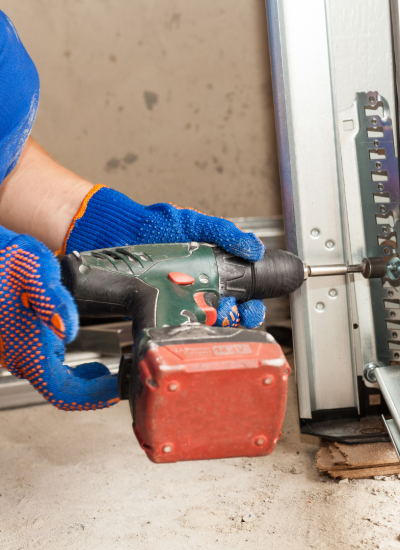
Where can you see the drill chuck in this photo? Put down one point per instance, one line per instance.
(277, 274)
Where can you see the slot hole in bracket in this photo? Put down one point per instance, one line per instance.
(375, 154)
(375, 132)
(381, 197)
(385, 219)
(379, 175)
(374, 110)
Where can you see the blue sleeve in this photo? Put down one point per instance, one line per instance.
(19, 96)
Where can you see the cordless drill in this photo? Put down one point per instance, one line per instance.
(196, 391)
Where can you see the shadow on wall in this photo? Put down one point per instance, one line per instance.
(162, 102)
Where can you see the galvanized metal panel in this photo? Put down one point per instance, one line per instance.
(324, 367)
(323, 54)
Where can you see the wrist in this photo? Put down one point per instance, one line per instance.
(40, 197)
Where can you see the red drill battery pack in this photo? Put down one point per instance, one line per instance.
(201, 392)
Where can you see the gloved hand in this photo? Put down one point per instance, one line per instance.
(37, 315)
(108, 218)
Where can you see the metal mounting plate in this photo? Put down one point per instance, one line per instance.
(379, 190)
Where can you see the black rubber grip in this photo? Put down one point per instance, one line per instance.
(277, 274)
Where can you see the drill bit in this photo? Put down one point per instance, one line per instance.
(370, 268)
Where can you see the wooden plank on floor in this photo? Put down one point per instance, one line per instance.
(357, 461)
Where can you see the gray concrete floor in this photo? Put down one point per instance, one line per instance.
(80, 481)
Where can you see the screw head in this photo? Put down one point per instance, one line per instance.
(330, 244)
(378, 164)
(371, 99)
(390, 293)
(268, 381)
(394, 334)
(173, 386)
(203, 278)
(320, 306)
(369, 373)
(396, 355)
(393, 268)
(382, 208)
(259, 441)
(392, 314)
(333, 293)
(373, 121)
(167, 449)
(384, 229)
(376, 143)
(380, 186)
(315, 233)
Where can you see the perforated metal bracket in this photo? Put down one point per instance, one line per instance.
(380, 196)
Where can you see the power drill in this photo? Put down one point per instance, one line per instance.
(196, 391)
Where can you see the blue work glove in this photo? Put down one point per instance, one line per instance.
(19, 96)
(37, 315)
(108, 218)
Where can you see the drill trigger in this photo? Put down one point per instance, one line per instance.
(210, 311)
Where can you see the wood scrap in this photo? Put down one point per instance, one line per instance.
(337, 456)
(357, 461)
(363, 473)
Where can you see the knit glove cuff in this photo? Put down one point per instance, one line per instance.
(105, 219)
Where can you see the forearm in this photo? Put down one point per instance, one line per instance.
(40, 197)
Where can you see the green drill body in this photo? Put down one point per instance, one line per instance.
(150, 264)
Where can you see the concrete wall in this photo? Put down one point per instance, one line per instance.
(165, 101)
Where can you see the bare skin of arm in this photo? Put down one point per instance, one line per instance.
(40, 198)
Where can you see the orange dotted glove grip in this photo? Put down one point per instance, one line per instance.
(37, 315)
